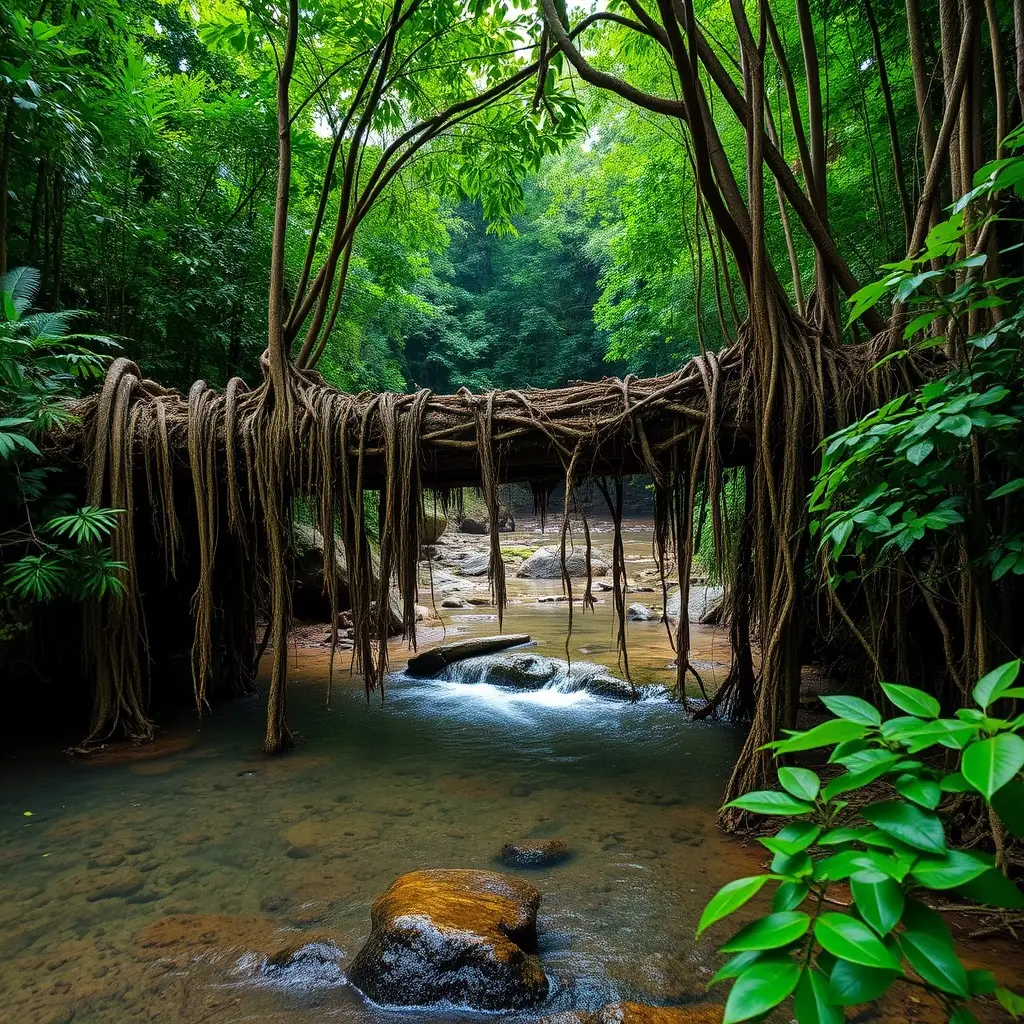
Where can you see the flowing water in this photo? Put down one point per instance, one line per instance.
(153, 888)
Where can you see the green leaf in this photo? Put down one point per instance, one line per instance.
(800, 782)
(981, 982)
(1008, 802)
(913, 701)
(768, 801)
(851, 983)
(993, 889)
(961, 1015)
(849, 862)
(991, 686)
(850, 939)
(920, 791)
(1012, 1003)
(917, 453)
(735, 966)
(957, 867)
(769, 932)
(789, 896)
(919, 917)
(989, 764)
(811, 1003)
(730, 898)
(909, 824)
(879, 900)
(955, 783)
(1010, 487)
(760, 988)
(935, 962)
(853, 709)
(793, 838)
(827, 734)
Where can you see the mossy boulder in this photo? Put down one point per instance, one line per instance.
(458, 937)
(546, 564)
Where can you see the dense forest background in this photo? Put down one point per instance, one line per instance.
(139, 166)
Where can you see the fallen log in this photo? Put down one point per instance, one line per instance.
(435, 660)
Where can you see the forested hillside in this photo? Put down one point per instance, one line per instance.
(139, 176)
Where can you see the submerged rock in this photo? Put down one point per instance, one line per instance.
(437, 658)
(525, 670)
(314, 965)
(546, 564)
(534, 853)
(461, 937)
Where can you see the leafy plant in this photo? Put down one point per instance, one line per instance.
(891, 851)
(41, 366)
(931, 460)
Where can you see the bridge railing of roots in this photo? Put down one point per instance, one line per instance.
(210, 480)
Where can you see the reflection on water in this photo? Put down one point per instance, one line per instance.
(155, 889)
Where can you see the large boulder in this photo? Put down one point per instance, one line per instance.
(309, 602)
(546, 564)
(457, 937)
(703, 598)
(479, 524)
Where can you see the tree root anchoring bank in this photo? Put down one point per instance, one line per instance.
(218, 474)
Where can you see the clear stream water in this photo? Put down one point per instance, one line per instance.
(153, 888)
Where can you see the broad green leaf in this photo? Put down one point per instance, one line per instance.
(990, 687)
(879, 900)
(760, 988)
(810, 1001)
(913, 701)
(838, 730)
(993, 889)
(935, 962)
(768, 801)
(955, 783)
(850, 862)
(1008, 802)
(769, 932)
(850, 939)
(793, 838)
(800, 782)
(956, 867)
(919, 917)
(730, 898)
(789, 896)
(853, 709)
(922, 791)
(851, 983)
(989, 764)
(792, 865)
(1012, 1003)
(909, 824)
(981, 982)
(735, 966)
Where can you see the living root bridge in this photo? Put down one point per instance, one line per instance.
(221, 472)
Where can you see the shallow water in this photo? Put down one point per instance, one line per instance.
(151, 886)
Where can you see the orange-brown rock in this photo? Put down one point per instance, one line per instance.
(466, 938)
(638, 1013)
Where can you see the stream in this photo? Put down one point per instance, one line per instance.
(154, 884)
